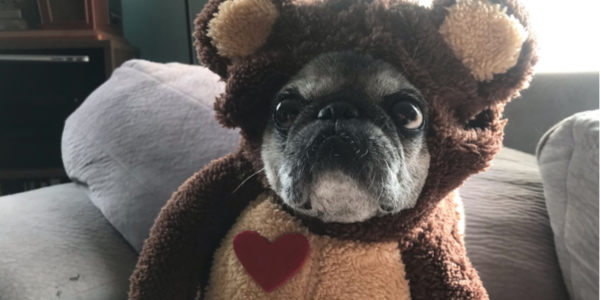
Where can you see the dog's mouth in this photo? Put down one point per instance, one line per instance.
(338, 147)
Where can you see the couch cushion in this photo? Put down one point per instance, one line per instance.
(568, 159)
(139, 136)
(55, 244)
(508, 235)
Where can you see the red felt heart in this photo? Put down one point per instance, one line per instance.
(271, 265)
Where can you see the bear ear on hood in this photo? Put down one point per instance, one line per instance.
(228, 30)
(493, 39)
(484, 48)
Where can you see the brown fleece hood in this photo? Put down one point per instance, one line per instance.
(439, 49)
(467, 57)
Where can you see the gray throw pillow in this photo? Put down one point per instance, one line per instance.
(568, 159)
(139, 136)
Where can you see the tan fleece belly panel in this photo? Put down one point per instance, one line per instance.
(335, 269)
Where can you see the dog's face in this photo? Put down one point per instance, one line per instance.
(347, 140)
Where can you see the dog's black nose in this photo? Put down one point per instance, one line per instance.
(337, 111)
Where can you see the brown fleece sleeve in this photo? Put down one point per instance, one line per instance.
(176, 258)
(437, 266)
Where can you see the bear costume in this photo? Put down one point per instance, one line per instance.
(468, 58)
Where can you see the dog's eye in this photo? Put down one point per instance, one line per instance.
(407, 115)
(286, 113)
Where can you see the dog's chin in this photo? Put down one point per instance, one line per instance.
(336, 197)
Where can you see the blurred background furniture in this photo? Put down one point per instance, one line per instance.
(99, 15)
(150, 127)
(45, 74)
(162, 30)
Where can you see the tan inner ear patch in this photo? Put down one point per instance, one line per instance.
(241, 26)
(483, 37)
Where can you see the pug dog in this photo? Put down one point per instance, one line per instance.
(359, 120)
(347, 140)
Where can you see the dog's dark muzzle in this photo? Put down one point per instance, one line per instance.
(341, 144)
(338, 140)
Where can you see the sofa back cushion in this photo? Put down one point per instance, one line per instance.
(508, 235)
(139, 136)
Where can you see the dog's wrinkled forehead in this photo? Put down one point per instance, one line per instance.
(334, 71)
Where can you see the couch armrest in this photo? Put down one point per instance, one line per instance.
(568, 159)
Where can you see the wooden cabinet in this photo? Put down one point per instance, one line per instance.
(44, 76)
(79, 14)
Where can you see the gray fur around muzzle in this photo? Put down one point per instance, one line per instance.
(343, 156)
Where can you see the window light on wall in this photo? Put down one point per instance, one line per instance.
(568, 34)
